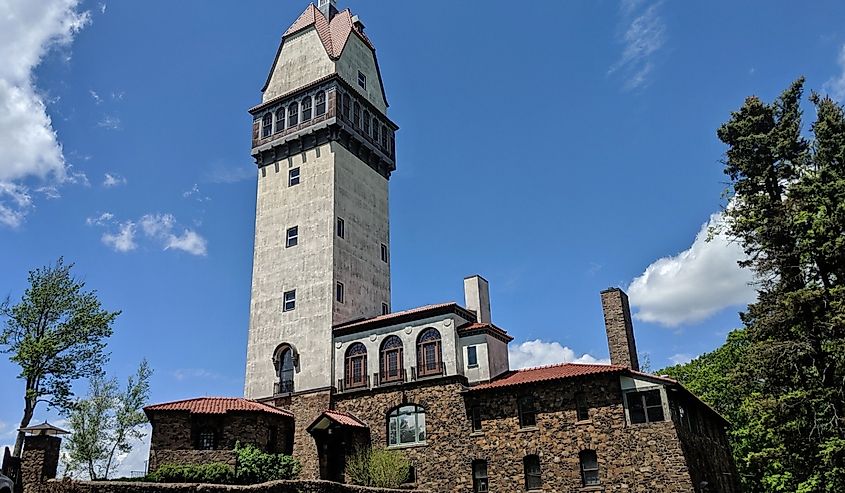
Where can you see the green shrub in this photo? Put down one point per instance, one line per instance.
(256, 466)
(377, 467)
(213, 473)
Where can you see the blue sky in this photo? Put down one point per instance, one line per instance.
(557, 148)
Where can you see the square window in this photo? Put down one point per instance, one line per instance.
(292, 237)
(293, 177)
(645, 406)
(289, 303)
(384, 253)
(339, 294)
(341, 228)
(385, 309)
(362, 80)
(472, 356)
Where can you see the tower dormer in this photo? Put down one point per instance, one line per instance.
(324, 148)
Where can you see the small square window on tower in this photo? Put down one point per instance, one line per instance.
(289, 303)
(362, 80)
(339, 294)
(384, 253)
(341, 228)
(293, 177)
(292, 237)
(385, 309)
(472, 356)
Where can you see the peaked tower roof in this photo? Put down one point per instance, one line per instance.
(333, 34)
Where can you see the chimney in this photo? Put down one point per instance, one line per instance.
(477, 297)
(328, 8)
(620, 330)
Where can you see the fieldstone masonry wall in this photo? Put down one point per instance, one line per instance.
(620, 328)
(272, 487)
(306, 407)
(40, 460)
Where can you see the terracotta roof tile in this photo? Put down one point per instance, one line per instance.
(546, 373)
(345, 419)
(217, 405)
(334, 34)
(484, 327)
(393, 315)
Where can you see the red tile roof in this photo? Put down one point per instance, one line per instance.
(333, 35)
(217, 405)
(406, 315)
(470, 328)
(546, 373)
(345, 419)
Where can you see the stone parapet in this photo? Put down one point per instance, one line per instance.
(66, 486)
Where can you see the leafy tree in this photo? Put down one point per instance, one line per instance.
(56, 335)
(780, 380)
(106, 421)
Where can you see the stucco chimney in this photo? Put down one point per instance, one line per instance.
(477, 297)
(328, 8)
(620, 329)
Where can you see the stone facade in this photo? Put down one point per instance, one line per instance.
(40, 460)
(305, 407)
(175, 437)
(654, 457)
(67, 486)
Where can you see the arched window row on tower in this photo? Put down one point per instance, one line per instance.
(291, 114)
(353, 112)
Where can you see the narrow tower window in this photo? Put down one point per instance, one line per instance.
(286, 370)
(384, 136)
(292, 237)
(385, 309)
(344, 103)
(341, 228)
(339, 294)
(289, 301)
(472, 356)
(320, 104)
(356, 114)
(267, 125)
(306, 108)
(293, 177)
(367, 122)
(581, 406)
(280, 120)
(293, 114)
(384, 253)
(362, 80)
(476, 418)
(375, 129)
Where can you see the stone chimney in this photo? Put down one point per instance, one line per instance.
(328, 8)
(620, 330)
(477, 297)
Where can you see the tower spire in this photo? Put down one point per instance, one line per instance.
(328, 8)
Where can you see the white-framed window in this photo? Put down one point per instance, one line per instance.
(362, 80)
(267, 125)
(293, 177)
(289, 301)
(292, 237)
(645, 406)
(293, 114)
(280, 120)
(306, 108)
(320, 103)
(406, 425)
(472, 356)
(339, 292)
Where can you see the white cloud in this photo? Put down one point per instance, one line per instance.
(101, 220)
(29, 147)
(182, 374)
(231, 174)
(96, 97)
(680, 358)
(124, 240)
(645, 34)
(694, 284)
(112, 180)
(134, 462)
(835, 86)
(109, 122)
(538, 353)
(190, 242)
(20, 199)
(196, 194)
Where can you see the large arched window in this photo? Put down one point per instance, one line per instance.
(285, 367)
(306, 108)
(356, 366)
(391, 360)
(280, 120)
(293, 114)
(320, 103)
(267, 125)
(406, 425)
(429, 359)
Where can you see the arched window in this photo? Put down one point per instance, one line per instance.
(533, 477)
(391, 360)
(356, 366)
(285, 366)
(356, 114)
(376, 125)
(320, 103)
(406, 425)
(267, 125)
(367, 123)
(306, 108)
(429, 360)
(293, 114)
(280, 120)
(589, 468)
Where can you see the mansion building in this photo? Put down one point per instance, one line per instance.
(331, 367)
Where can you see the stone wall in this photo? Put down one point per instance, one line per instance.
(176, 434)
(40, 460)
(272, 487)
(306, 408)
(632, 458)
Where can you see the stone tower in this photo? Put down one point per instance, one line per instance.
(620, 328)
(324, 148)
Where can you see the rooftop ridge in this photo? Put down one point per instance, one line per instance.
(556, 365)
